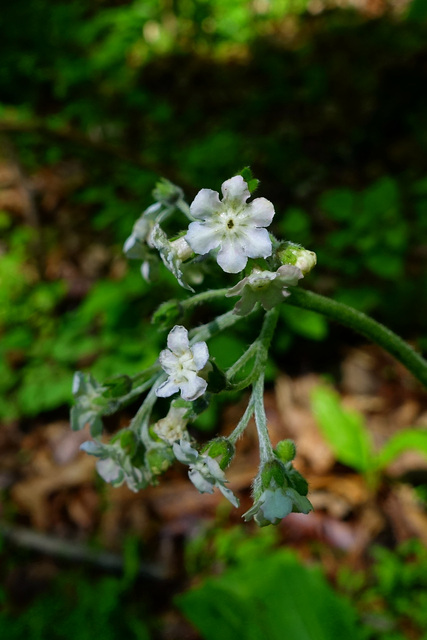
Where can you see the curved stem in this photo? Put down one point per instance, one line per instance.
(364, 325)
(204, 296)
(244, 359)
(210, 329)
(243, 423)
(265, 446)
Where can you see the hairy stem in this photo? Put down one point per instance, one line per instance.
(364, 325)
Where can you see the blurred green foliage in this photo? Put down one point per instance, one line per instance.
(391, 595)
(388, 596)
(347, 433)
(269, 597)
(75, 604)
(193, 91)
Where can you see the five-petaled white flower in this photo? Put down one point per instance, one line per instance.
(182, 362)
(231, 224)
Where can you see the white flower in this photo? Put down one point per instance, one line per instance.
(204, 472)
(231, 224)
(173, 426)
(182, 362)
(267, 287)
(276, 503)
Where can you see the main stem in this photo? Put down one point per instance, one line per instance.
(364, 325)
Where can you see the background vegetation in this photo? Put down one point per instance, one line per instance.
(327, 105)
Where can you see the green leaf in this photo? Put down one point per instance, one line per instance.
(415, 439)
(273, 597)
(343, 429)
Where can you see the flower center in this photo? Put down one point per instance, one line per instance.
(230, 224)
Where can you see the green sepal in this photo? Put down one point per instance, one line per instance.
(273, 472)
(247, 176)
(216, 378)
(297, 481)
(117, 387)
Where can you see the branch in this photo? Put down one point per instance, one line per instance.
(364, 325)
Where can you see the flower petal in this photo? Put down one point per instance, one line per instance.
(167, 389)
(260, 212)
(193, 388)
(168, 361)
(200, 482)
(205, 203)
(235, 191)
(227, 493)
(257, 243)
(232, 258)
(277, 505)
(109, 470)
(178, 340)
(237, 289)
(184, 452)
(289, 274)
(246, 303)
(202, 237)
(200, 354)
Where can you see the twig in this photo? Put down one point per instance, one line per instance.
(58, 547)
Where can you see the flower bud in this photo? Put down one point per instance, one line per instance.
(166, 192)
(221, 450)
(286, 450)
(159, 459)
(181, 248)
(290, 253)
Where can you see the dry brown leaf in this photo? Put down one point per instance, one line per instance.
(32, 495)
(293, 400)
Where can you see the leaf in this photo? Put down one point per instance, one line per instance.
(415, 439)
(273, 597)
(343, 429)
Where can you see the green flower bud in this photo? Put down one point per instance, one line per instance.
(159, 459)
(290, 253)
(221, 450)
(167, 192)
(286, 450)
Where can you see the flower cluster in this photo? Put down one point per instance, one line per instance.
(231, 229)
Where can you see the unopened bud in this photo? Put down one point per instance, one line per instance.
(221, 450)
(290, 253)
(286, 450)
(181, 248)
